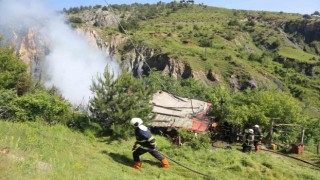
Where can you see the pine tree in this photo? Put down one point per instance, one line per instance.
(117, 100)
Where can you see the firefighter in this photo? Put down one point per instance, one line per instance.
(257, 138)
(145, 142)
(248, 141)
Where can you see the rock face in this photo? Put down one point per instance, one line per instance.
(31, 48)
(100, 18)
(309, 30)
(110, 48)
(135, 61)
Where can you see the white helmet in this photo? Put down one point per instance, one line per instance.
(256, 126)
(136, 122)
(250, 130)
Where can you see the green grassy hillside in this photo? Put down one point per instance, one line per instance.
(268, 47)
(55, 152)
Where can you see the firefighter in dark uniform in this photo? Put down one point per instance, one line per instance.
(248, 141)
(257, 138)
(145, 142)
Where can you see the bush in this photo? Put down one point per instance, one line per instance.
(179, 27)
(196, 27)
(250, 23)
(205, 43)
(39, 105)
(194, 140)
(75, 19)
(254, 57)
(307, 16)
(130, 24)
(233, 23)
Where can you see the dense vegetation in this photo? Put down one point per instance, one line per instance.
(247, 45)
(246, 50)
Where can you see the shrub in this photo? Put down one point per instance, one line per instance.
(307, 16)
(39, 105)
(179, 27)
(254, 57)
(250, 23)
(205, 43)
(194, 140)
(233, 23)
(130, 24)
(196, 27)
(75, 20)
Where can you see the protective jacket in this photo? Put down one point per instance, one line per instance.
(249, 139)
(257, 135)
(144, 138)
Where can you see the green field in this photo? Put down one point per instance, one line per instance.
(56, 152)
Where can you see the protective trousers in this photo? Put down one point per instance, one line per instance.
(139, 151)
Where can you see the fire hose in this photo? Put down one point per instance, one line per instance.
(166, 156)
(184, 165)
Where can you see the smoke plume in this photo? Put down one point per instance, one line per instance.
(71, 63)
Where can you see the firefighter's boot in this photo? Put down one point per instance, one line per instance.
(165, 163)
(137, 165)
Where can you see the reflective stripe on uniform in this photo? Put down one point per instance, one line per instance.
(151, 138)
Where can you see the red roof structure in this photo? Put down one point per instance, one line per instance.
(178, 112)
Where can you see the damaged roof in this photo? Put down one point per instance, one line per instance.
(178, 112)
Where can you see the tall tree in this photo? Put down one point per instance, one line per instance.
(117, 100)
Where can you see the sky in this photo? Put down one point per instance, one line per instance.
(292, 6)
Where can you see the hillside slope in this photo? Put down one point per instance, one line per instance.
(42, 152)
(233, 48)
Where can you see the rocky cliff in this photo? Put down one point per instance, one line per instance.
(308, 29)
(30, 46)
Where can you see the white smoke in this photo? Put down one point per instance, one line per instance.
(72, 63)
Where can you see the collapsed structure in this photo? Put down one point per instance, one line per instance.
(174, 112)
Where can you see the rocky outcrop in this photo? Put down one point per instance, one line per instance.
(110, 47)
(100, 17)
(135, 61)
(308, 29)
(213, 77)
(301, 67)
(30, 47)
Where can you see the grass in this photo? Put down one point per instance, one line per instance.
(297, 54)
(56, 152)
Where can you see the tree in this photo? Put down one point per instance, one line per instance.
(258, 107)
(306, 16)
(316, 13)
(13, 72)
(117, 100)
